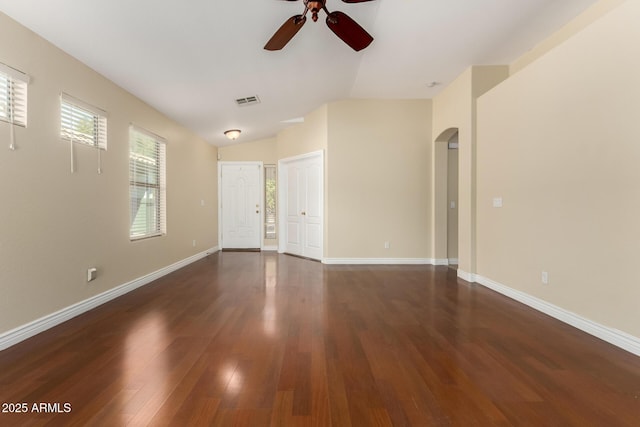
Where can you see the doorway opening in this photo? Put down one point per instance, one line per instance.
(446, 184)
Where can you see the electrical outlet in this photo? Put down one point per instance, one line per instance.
(387, 245)
(545, 278)
(194, 243)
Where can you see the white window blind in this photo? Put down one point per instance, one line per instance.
(83, 123)
(13, 95)
(147, 184)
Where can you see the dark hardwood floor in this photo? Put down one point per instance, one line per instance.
(253, 339)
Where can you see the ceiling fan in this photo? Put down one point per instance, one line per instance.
(342, 25)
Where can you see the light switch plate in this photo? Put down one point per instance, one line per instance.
(497, 202)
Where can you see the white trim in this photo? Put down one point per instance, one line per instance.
(270, 248)
(469, 277)
(305, 156)
(14, 74)
(379, 261)
(28, 330)
(452, 261)
(76, 102)
(134, 127)
(612, 336)
(439, 261)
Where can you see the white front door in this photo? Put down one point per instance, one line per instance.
(303, 202)
(240, 205)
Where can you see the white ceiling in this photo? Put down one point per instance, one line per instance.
(193, 59)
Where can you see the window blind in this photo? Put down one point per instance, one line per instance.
(13, 95)
(147, 187)
(83, 123)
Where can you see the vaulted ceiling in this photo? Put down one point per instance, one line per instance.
(192, 59)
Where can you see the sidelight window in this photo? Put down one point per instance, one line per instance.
(270, 201)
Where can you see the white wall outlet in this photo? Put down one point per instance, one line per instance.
(202, 202)
(194, 243)
(387, 245)
(545, 278)
(452, 204)
(92, 273)
(497, 202)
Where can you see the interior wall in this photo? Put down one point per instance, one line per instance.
(379, 179)
(306, 137)
(54, 225)
(558, 141)
(592, 14)
(455, 108)
(265, 151)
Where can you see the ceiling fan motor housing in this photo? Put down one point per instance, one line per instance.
(315, 7)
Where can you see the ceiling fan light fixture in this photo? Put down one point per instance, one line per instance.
(232, 134)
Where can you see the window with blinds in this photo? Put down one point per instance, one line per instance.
(13, 95)
(83, 123)
(270, 201)
(147, 188)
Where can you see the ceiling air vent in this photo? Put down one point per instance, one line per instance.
(249, 100)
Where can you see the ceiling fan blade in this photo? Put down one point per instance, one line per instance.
(285, 32)
(348, 30)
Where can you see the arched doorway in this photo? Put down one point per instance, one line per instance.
(445, 244)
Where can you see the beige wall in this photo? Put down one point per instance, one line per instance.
(455, 109)
(576, 25)
(559, 142)
(306, 137)
(54, 224)
(263, 150)
(379, 178)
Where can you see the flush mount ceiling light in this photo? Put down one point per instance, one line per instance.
(233, 134)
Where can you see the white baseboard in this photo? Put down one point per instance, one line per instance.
(453, 261)
(24, 332)
(469, 277)
(379, 261)
(270, 248)
(443, 261)
(612, 336)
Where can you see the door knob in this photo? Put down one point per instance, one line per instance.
(303, 213)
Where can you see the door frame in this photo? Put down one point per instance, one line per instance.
(283, 185)
(260, 184)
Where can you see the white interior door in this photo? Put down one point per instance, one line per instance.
(303, 202)
(293, 237)
(312, 208)
(241, 205)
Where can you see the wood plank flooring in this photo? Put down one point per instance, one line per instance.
(260, 339)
